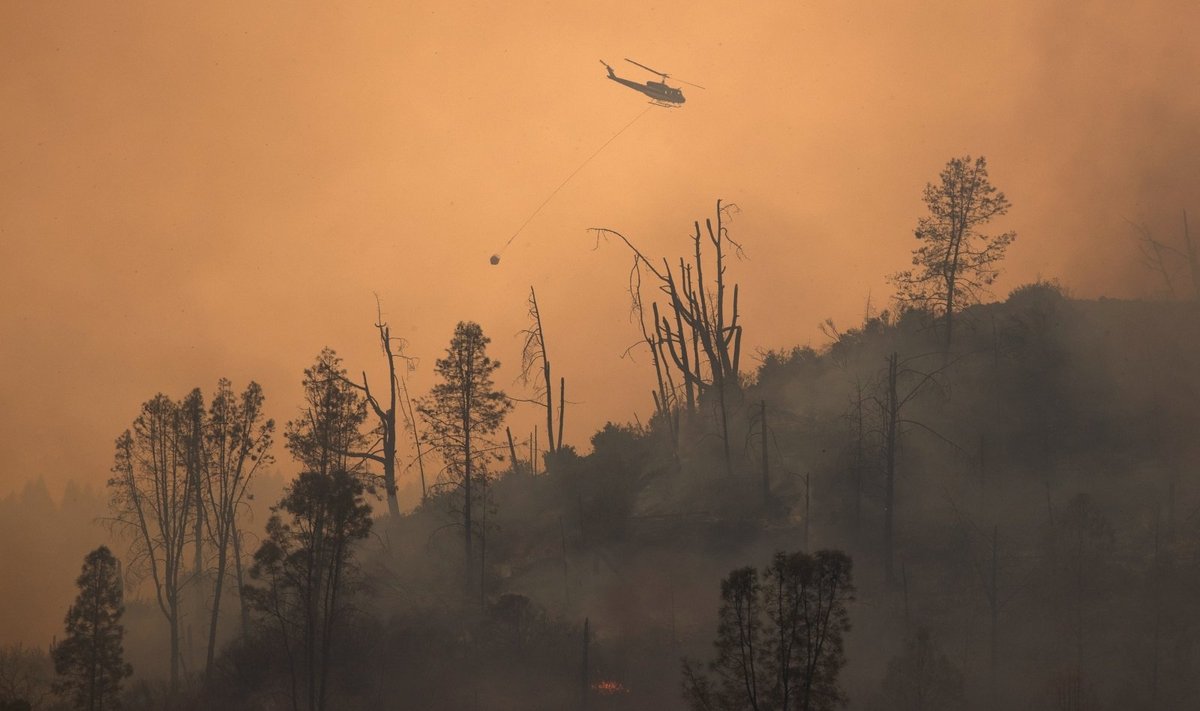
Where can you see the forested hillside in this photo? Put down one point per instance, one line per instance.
(1020, 510)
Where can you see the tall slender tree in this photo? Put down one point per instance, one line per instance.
(899, 385)
(955, 262)
(152, 500)
(460, 413)
(305, 573)
(89, 660)
(237, 441)
(534, 354)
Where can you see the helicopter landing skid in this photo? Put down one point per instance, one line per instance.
(664, 104)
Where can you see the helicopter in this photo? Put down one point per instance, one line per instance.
(659, 92)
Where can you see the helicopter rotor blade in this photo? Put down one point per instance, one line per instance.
(664, 75)
(643, 66)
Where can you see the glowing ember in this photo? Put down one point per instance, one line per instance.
(609, 688)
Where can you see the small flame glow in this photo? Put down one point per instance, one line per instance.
(609, 688)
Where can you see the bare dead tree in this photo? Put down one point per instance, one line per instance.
(1167, 261)
(383, 451)
(700, 337)
(858, 432)
(410, 420)
(1156, 256)
(533, 355)
(899, 386)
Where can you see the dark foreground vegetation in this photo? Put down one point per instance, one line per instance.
(997, 514)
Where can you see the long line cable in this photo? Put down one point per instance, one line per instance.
(496, 257)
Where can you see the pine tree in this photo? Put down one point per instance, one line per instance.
(89, 660)
(955, 263)
(461, 411)
(327, 437)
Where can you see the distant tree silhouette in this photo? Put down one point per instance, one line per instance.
(327, 437)
(922, 678)
(1078, 542)
(1167, 261)
(304, 572)
(153, 494)
(898, 386)
(26, 678)
(460, 412)
(89, 660)
(237, 441)
(779, 637)
(955, 263)
(192, 449)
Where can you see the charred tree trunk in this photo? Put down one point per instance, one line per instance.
(411, 416)
(860, 459)
(994, 608)
(512, 450)
(891, 423)
(1193, 261)
(585, 681)
(766, 468)
(467, 475)
(385, 455)
(535, 354)
(244, 609)
(387, 421)
(703, 316)
(562, 404)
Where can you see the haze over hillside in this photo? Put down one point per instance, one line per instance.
(369, 356)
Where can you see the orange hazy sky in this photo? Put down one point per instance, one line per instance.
(190, 191)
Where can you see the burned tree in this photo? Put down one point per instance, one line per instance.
(859, 451)
(922, 678)
(898, 386)
(533, 355)
(410, 421)
(1078, 544)
(699, 337)
(384, 450)
(1166, 260)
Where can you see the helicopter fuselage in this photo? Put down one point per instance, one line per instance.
(658, 91)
